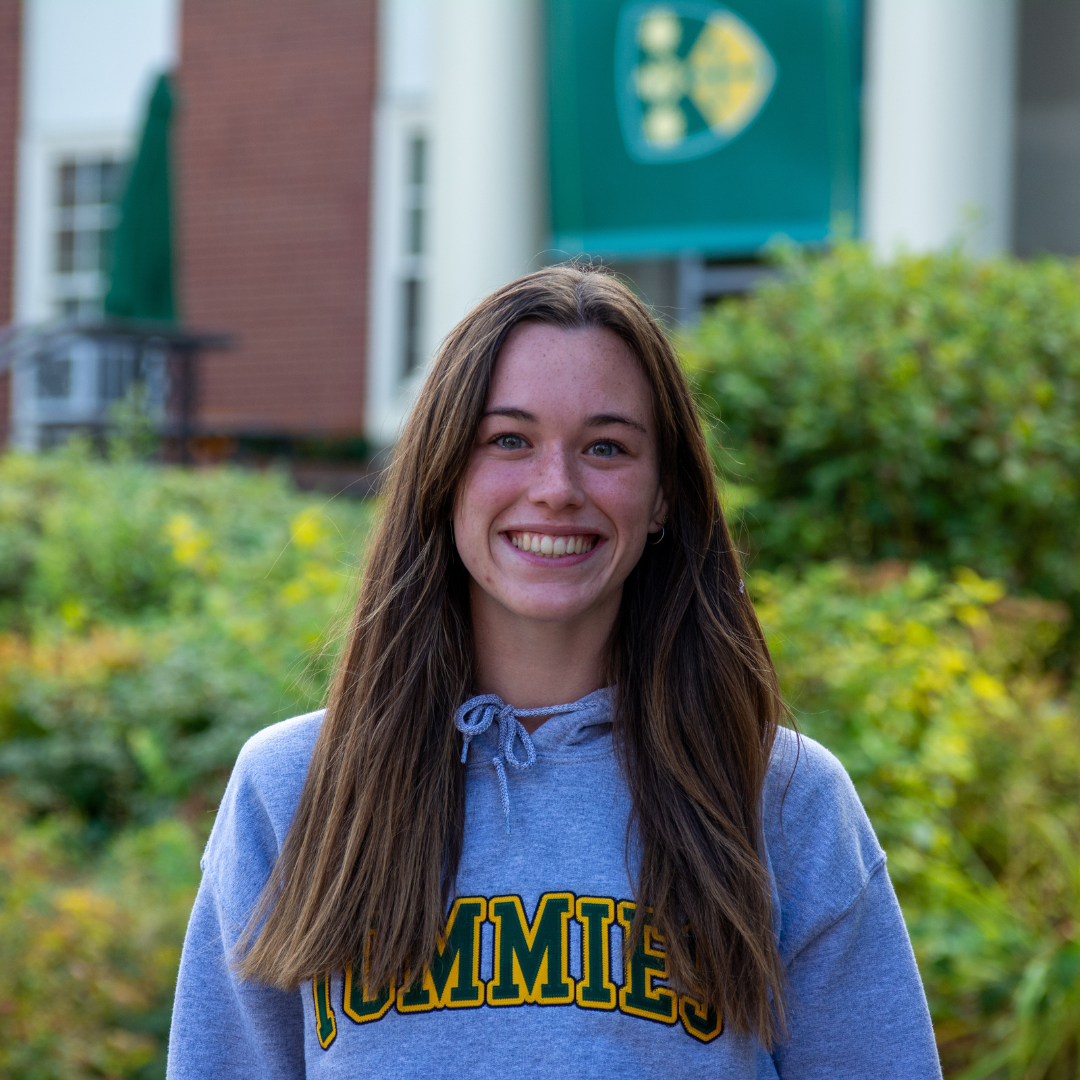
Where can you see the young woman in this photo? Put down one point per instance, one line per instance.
(549, 823)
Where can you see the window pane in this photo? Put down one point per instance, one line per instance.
(112, 178)
(86, 250)
(104, 171)
(88, 183)
(65, 251)
(411, 329)
(116, 372)
(104, 241)
(416, 231)
(417, 153)
(54, 377)
(67, 184)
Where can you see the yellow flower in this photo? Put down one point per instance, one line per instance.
(307, 530)
(190, 543)
(986, 686)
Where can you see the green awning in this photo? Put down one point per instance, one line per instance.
(141, 281)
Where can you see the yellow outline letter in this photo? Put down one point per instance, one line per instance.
(596, 990)
(531, 963)
(325, 1024)
(638, 996)
(452, 979)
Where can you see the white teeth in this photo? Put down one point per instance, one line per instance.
(552, 547)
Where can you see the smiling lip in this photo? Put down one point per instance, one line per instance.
(552, 545)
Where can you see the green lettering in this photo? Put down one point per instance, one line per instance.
(531, 962)
(452, 979)
(358, 1002)
(638, 996)
(325, 1024)
(596, 915)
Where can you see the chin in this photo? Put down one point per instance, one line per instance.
(551, 609)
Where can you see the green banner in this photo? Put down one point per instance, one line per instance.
(692, 126)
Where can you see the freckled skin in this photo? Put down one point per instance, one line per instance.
(541, 625)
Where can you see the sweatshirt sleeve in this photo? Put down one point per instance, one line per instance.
(857, 1007)
(222, 1027)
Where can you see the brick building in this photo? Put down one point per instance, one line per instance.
(351, 175)
(273, 147)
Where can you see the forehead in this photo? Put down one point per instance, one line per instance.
(587, 370)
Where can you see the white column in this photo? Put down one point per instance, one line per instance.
(488, 177)
(939, 124)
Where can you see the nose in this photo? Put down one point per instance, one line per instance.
(555, 483)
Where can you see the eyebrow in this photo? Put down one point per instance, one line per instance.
(514, 414)
(594, 421)
(603, 419)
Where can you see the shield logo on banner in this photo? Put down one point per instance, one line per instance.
(689, 78)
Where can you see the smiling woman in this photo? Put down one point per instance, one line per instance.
(551, 516)
(551, 770)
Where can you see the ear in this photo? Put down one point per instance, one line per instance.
(659, 512)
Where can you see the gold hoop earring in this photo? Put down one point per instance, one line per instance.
(659, 539)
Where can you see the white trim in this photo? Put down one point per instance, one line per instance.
(401, 113)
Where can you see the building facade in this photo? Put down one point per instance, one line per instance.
(350, 176)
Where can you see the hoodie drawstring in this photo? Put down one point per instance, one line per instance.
(475, 717)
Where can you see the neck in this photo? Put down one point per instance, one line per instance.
(530, 663)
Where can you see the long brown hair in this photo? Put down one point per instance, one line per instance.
(378, 830)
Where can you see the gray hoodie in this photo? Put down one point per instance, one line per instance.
(532, 981)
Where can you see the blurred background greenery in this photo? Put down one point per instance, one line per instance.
(900, 451)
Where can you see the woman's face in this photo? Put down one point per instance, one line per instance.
(564, 482)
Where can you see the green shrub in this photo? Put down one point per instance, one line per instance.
(967, 758)
(88, 954)
(159, 617)
(928, 408)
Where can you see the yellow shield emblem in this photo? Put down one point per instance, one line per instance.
(690, 77)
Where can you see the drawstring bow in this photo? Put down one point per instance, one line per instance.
(477, 715)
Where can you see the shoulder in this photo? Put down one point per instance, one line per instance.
(274, 761)
(257, 809)
(821, 847)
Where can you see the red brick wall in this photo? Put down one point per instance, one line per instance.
(273, 174)
(10, 42)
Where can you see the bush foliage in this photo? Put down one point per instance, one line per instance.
(150, 621)
(925, 409)
(159, 617)
(966, 754)
(88, 954)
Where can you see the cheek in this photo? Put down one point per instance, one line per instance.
(626, 498)
(487, 490)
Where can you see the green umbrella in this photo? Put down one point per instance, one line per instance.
(141, 282)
